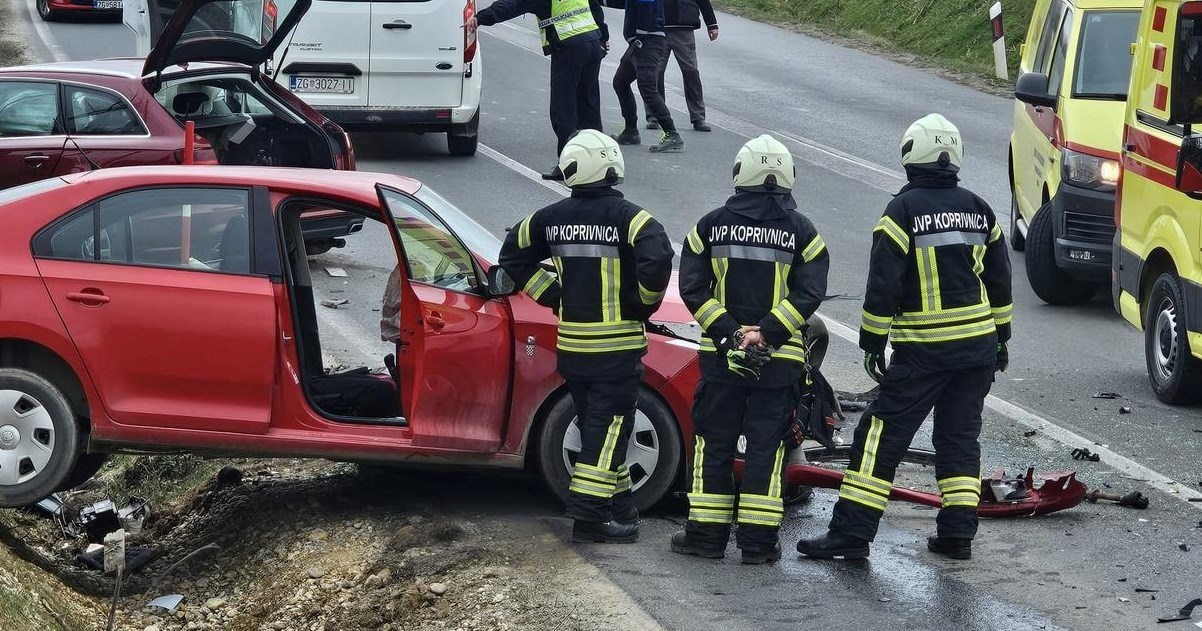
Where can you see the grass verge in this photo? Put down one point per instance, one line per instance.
(12, 44)
(952, 35)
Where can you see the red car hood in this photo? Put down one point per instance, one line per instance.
(673, 309)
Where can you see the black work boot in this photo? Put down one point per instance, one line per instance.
(554, 175)
(682, 545)
(670, 142)
(951, 547)
(701, 125)
(607, 532)
(762, 556)
(628, 136)
(833, 545)
(652, 123)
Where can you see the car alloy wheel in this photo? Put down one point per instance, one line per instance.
(642, 452)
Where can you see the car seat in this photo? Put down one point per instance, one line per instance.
(235, 246)
(191, 104)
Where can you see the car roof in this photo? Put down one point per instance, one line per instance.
(354, 186)
(124, 67)
(1108, 4)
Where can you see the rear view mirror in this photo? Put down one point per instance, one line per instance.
(1189, 166)
(500, 283)
(1032, 88)
(1185, 105)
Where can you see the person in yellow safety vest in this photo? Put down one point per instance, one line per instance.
(939, 290)
(576, 37)
(613, 262)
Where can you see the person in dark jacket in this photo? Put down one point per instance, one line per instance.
(576, 37)
(643, 28)
(939, 290)
(613, 262)
(752, 272)
(681, 18)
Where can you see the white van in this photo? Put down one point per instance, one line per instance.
(389, 65)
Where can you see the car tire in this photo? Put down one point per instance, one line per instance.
(45, 12)
(1017, 240)
(1048, 281)
(656, 432)
(1173, 370)
(39, 438)
(463, 146)
(86, 467)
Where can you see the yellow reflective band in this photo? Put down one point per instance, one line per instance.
(812, 250)
(698, 455)
(623, 479)
(588, 477)
(961, 499)
(624, 327)
(774, 490)
(936, 295)
(761, 502)
(876, 485)
(709, 313)
(863, 498)
(971, 313)
(586, 488)
(600, 346)
(995, 234)
(924, 280)
(636, 224)
(871, 445)
(707, 516)
(711, 500)
(720, 267)
(694, 240)
(650, 297)
(790, 353)
(758, 519)
(789, 316)
(599, 472)
(1003, 315)
(978, 259)
(605, 460)
(876, 324)
(963, 482)
(707, 345)
(942, 334)
(890, 228)
(524, 233)
(538, 283)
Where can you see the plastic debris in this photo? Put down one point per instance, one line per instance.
(1106, 395)
(1124, 410)
(99, 519)
(334, 304)
(133, 515)
(1184, 547)
(336, 272)
(169, 602)
(1183, 614)
(1082, 453)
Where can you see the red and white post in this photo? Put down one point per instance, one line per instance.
(1000, 67)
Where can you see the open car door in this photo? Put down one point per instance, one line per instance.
(171, 32)
(410, 348)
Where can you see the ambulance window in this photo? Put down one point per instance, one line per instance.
(1045, 38)
(1056, 73)
(1104, 54)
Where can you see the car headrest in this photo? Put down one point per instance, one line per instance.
(191, 104)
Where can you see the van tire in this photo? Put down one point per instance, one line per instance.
(40, 419)
(1017, 240)
(464, 146)
(1048, 281)
(1173, 370)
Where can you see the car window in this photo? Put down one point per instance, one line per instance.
(1104, 56)
(28, 108)
(1050, 25)
(200, 229)
(98, 113)
(252, 21)
(434, 255)
(1056, 72)
(214, 102)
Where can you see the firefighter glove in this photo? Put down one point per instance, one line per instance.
(749, 362)
(874, 365)
(1003, 357)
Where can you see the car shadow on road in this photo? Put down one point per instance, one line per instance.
(400, 146)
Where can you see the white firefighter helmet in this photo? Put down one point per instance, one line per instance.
(928, 139)
(590, 158)
(763, 164)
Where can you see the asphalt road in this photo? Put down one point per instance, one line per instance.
(842, 112)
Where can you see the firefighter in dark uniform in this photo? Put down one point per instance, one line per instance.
(751, 273)
(613, 263)
(939, 289)
(576, 38)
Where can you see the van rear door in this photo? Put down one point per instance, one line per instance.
(417, 53)
(328, 57)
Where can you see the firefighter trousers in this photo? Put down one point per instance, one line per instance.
(908, 394)
(722, 411)
(600, 487)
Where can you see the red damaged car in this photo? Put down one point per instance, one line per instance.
(173, 308)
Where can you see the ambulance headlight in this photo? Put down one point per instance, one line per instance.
(1082, 169)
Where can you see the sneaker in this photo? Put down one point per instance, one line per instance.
(951, 547)
(760, 557)
(701, 126)
(834, 546)
(669, 143)
(554, 175)
(681, 545)
(628, 136)
(607, 532)
(652, 123)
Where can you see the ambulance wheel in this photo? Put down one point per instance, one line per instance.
(1048, 281)
(1017, 240)
(1173, 370)
(652, 456)
(39, 437)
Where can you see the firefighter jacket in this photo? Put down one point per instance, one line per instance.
(939, 278)
(613, 263)
(755, 261)
(561, 22)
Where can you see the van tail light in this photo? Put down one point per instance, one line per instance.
(469, 32)
(344, 157)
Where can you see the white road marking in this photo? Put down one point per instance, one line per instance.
(44, 32)
(1066, 437)
(523, 170)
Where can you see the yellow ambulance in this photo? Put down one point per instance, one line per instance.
(1157, 268)
(1068, 111)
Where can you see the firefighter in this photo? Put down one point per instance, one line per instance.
(939, 289)
(613, 262)
(576, 38)
(751, 272)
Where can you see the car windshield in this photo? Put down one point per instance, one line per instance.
(1104, 56)
(477, 238)
(251, 21)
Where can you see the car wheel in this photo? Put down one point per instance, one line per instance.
(1017, 240)
(652, 456)
(462, 145)
(86, 467)
(1173, 370)
(45, 12)
(1048, 281)
(39, 438)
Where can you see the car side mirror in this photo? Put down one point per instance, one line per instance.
(1189, 166)
(1032, 88)
(500, 283)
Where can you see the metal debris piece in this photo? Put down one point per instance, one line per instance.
(1081, 453)
(52, 506)
(1124, 600)
(1030, 433)
(334, 304)
(134, 514)
(169, 602)
(1106, 395)
(1125, 410)
(1144, 590)
(1184, 547)
(1184, 613)
(1134, 499)
(336, 272)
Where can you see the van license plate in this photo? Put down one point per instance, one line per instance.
(322, 85)
(106, 5)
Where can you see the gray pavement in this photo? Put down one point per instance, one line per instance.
(842, 112)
